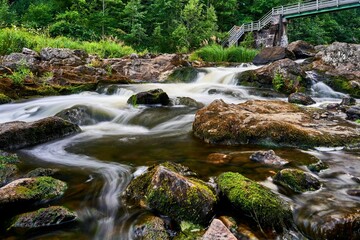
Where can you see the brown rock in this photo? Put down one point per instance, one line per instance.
(272, 54)
(302, 49)
(218, 231)
(218, 158)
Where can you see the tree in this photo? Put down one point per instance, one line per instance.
(6, 15)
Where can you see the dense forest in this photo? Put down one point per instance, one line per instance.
(166, 25)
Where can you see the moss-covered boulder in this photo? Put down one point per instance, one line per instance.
(4, 99)
(15, 135)
(264, 206)
(45, 217)
(270, 123)
(155, 96)
(166, 189)
(150, 228)
(318, 166)
(297, 180)
(8, 168)
(26, 192)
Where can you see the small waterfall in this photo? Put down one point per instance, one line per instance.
(320, 90)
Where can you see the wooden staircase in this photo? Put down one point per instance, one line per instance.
(289, 11)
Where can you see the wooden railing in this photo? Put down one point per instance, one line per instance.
(236, 32)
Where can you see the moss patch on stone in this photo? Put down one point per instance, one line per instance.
(184, 74)
(341, 84)
(4, 99)
(297, 180)
(265, 207)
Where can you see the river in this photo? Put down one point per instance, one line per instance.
(121, 140)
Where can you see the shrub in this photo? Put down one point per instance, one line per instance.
(20, 74)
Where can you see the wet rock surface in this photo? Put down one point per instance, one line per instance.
(268, 55)
(297, 180)
(169, 192)
(302, 49)
(155, 96)
(15, 135)
(150, 228)
(264, 122)
(44, 217)
(300, 98)
(267, 157)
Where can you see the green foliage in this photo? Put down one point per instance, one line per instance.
(22, 72)
(6, 15)
(278, 82)
(14, 39)
(216, 53)
(4, 98)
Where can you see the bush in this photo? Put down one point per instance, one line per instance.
(14, 39)
(216, 53)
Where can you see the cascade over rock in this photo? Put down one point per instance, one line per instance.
(269, 122)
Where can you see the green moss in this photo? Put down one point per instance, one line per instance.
(8, 158)
(247, 78)
(185, 74)
(4, 99)
(342, 84)
(318, 166)
(297, 180)
(189, 231)
(265, 207)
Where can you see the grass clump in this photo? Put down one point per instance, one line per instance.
(265, 207)
(216, 53)
(14, 39)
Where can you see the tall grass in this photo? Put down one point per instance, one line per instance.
(14, 39)
(216, 53)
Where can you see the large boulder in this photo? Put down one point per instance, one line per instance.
(284, 76)
(270, 122)
(300, 98)
(15, 135)
(155, 96)
(165, 188)
(26, 192)
(44, 217)
(257, 201)
(302, 49)
(63, 56)
(297, 180)
(272, 54)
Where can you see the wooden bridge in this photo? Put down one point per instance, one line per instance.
(278, 15)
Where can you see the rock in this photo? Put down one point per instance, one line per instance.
(218, 231)
(26, 192)
(157, 68)
(218, 158)
(44, 217)
(63, 56)
(4, 99)
(186, 101)
(318, 166)
(269, 122)
(84, 115)
(8, 168)
(353, 192)
(28, 51)
(285, 76)
(166, 190)
(272, 54)
(348, 101)
(150, 228)
(16, 60)
(300, 98)
(297, 180)
(267, 157)
(227, 92)
(302, 49)
(332, 226)
(41, 172)
(15, 135)
(184, 75)
(155, 96)
(255, 200)
(353, 113)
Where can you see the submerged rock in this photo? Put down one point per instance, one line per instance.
(44, 217)
(218, 158)
(41, 172)
(166, 190)
(25, 192)
(300, 98)
(84, 115)
(297, 180)
(302, 49)
(15, 135)
(155, 96)
(272, 54)
(269, 122)
(257, 201)
(218, 231)
(318, 166)
(150, 228)
(267, 157)
(186, 101)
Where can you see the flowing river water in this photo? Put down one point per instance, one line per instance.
(121, 140)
